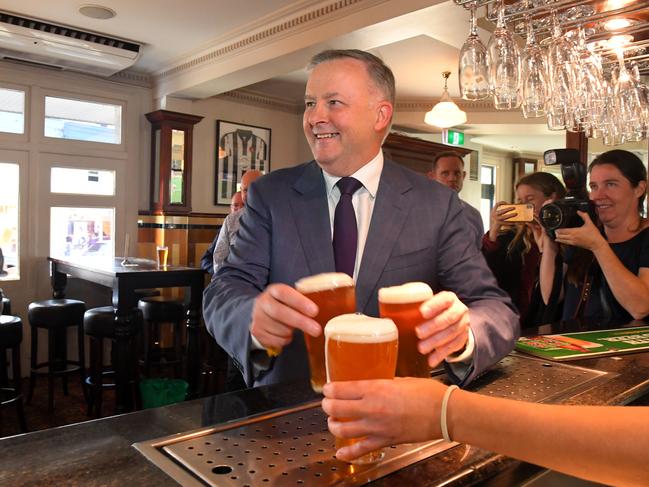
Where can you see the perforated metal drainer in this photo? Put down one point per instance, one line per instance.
(294, 447)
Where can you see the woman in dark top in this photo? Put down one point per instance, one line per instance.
(606, 271)
(512, 250)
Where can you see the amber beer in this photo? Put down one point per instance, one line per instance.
(401, 304)
(358, 347)
(163, 253)
(334, 293)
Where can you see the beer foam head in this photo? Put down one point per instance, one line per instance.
(410, 292)
(359, 328)
(323, 282)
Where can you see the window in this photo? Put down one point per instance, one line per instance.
(488, 190)
(77, 232)
(83, 120)
(10, 262)
(82, 181)
(12, 111)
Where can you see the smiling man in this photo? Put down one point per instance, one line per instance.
(349, 210)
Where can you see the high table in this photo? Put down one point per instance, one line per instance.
(99, 452)
(124, 280)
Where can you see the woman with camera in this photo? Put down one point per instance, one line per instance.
(512, 250)
(606, 270)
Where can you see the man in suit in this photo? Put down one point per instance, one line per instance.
(407, 229)
(448, 169)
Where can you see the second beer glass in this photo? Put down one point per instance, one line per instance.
(359, 347)
(401, 305)
(334, 293)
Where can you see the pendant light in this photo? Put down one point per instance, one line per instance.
(446, 113)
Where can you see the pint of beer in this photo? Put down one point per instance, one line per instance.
(163, 253)
(334, 294)
(401, 304)
(358, 347)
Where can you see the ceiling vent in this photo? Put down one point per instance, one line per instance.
(64, 47)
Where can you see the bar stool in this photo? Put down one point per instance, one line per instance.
(11, 336)
(99, 324)
(157, 310)
(56, 316)
(6, 306)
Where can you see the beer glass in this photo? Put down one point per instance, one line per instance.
(162, 254)
(401, 305)
(334, 293)
(358, 347)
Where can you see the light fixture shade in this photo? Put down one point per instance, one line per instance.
(445, 114)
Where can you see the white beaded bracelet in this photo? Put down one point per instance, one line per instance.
(447, 396)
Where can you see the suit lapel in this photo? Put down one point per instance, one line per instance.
(388, 218)
(311, 215)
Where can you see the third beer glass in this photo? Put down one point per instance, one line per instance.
(401, 304)
(334, 294)
(359, 347)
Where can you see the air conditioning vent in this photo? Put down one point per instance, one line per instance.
(64, 47)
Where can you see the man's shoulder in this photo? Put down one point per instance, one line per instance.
(285, 175)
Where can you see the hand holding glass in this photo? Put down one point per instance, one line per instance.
(358, 347)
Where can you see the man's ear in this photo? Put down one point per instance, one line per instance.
(431, 175)
(383, 116)
(463, 175)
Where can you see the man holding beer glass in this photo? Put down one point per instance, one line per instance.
(406, 228)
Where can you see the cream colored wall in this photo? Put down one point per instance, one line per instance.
(286, 142)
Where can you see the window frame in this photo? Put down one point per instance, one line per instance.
(75, 144)
(24, 137)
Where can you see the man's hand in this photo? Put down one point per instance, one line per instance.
(278, 311)
(446, 330)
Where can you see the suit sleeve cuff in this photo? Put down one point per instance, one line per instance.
(463, 357)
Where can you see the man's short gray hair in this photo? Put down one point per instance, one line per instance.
(378, 71)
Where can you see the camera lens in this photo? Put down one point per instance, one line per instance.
(551, 216)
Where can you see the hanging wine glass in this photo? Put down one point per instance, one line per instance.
(534, 76)
(473, 71)
(503, 60)
(562, 65)
(627, 100)
(590, 93)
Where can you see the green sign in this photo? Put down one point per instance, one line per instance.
(455, 138)
(571, 346)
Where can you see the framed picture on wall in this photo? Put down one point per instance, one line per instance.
(239, 147)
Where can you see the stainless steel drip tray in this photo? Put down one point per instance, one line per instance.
(294, 447)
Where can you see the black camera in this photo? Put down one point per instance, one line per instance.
(562, 213)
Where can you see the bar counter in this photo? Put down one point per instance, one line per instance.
(99, 452)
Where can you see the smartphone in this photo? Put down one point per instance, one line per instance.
(520, 213)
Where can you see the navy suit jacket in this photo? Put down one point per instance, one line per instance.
(418, 232)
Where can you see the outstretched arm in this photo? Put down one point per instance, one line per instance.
(604, 444)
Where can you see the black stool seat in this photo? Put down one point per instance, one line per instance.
(159, 308)
(11, 331)
(56, 313)
(55, 316)
(99, 324)
(11, 336)
(6, 306)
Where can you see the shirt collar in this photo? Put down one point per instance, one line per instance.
(369, 176)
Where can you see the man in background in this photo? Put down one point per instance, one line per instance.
(220, 246)
(448, 169)
(228, 232)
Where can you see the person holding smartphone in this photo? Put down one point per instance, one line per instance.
(512, 246)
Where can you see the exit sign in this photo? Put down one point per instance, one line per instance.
(454, 138)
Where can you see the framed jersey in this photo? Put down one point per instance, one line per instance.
(239, 148)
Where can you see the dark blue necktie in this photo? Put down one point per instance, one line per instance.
(345, 231)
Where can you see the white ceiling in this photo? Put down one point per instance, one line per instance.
(418, 44)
